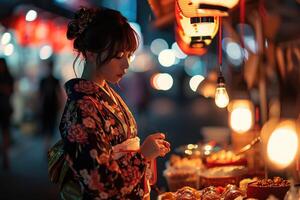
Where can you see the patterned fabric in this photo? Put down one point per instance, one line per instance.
(91, 124)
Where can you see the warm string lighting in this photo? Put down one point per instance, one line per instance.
(221, 96)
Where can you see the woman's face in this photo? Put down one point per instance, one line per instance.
(115, 69)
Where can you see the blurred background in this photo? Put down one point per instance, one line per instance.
(170, 88)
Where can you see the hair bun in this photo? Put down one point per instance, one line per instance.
(73, 30)
(83, 17)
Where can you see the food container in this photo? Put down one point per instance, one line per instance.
(222, 176)
(180, 177)
(263, 191)
(219, 181)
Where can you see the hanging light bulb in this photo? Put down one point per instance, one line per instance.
(221, 96)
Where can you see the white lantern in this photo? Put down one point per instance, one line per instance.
(191, 8)
(187, 46)
(200, 29)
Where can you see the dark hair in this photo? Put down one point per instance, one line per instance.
(101, 29)
(3, 64)
(4, 71)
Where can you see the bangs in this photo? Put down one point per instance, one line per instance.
(124, 39)
(128, 40)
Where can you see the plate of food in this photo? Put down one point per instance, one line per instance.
(225, 158)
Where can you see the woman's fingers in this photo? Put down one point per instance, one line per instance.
(160, 136)
(164, 152)
(164, 143)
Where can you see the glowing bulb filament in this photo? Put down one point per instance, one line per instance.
(221, 96)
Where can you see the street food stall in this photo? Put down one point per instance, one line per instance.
(262, 159)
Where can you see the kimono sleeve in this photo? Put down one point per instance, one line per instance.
(89, 153)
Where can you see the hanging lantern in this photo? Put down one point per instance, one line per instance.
(241, 115)
(280, 139)
(191, 8)
(24, 30)
(163, 12)
(57, 36)
(200, 29)
(189, 46)
(41, 32)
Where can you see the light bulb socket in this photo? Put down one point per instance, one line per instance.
(221, 80)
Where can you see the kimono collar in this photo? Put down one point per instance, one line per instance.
(79, 86)
(76, 88)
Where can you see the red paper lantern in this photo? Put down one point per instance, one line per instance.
(24, 30)
(41, 32)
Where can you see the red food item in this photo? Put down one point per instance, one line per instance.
(220, 189)
(210, 193)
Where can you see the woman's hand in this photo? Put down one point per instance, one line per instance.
(154, 146)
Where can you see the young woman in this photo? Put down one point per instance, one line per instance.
(99, 132)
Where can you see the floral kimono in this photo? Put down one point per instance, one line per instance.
(95, 120)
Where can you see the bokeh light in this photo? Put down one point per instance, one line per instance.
(194, 66)
(142, 61)
(251, 43)
(167, 58)
(233, 50)
(162, 81)
(158, 45)
(31, 15)
(45, 52)
(234, 53)
(195, 81)
(241, 119)
(8, 49)
(282, 146)
(178, 52)
(6, 38)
